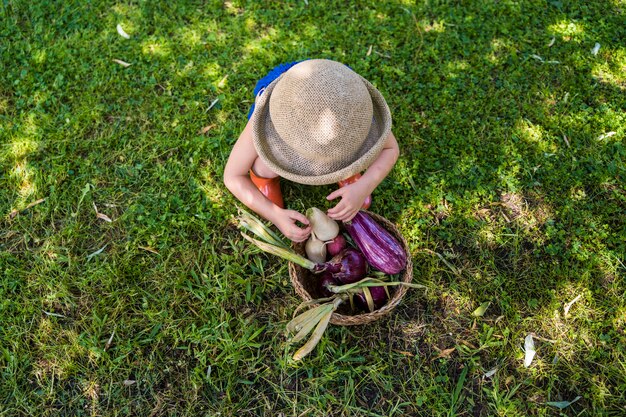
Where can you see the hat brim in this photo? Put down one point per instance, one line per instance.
(289, 164)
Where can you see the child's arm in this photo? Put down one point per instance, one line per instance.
(237, 180)
(353, 195)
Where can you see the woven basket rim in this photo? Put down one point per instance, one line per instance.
(296, 271)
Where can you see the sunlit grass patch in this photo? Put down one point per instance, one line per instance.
(567, 29)
(156, 47)
(20, 148)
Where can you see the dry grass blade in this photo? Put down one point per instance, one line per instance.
(213, 103)
(149, 249)
(122, 63)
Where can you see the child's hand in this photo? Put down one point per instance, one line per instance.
(286, 223)
(352, 198)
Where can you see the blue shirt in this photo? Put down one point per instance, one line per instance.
(267, 80)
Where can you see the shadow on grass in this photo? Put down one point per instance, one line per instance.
(486, 179)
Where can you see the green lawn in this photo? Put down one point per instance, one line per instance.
(510, 188)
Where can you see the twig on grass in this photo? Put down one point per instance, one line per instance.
(569, 305)
(15, 212)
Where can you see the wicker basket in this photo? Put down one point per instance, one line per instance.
(305, 283)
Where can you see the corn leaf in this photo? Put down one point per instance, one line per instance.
(315, 337)
(311, 323)
(370, 282)
(313, 302)
(368, 297)
(281, 252)
(256, 226)
(296, 324)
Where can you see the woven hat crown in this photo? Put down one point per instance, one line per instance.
(319, 122)
(322, 110)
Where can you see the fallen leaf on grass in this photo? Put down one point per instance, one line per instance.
(205, 129)
(104, 217)
(551, 42)
(563, 404)
(122, 33)
(595, 49)
(14, 213)
(108, 343)
(129, 382)
(369, 51)
(529, 349)
(480, 311)
(491, 373)
(122, 63)
(96, 253)
(606, 135)
(402, 352)
(101, 215)
(445, 353)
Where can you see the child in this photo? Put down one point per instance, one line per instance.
(314, 122)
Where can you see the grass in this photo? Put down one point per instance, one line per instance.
(508, 189)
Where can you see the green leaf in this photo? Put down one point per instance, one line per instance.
(563, 404)
(480, 311)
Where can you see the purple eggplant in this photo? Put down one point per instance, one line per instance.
(379, 296)
(347, 266)
(381, 249)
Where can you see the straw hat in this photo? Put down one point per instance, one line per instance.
(319, 123)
